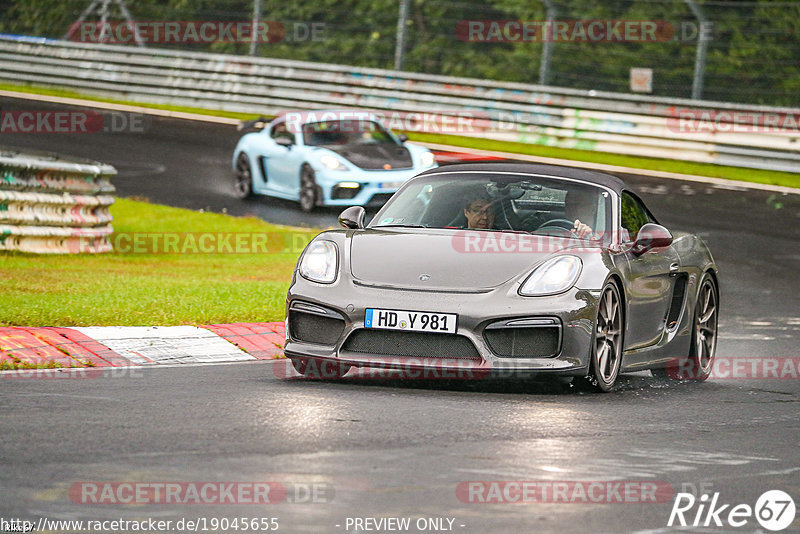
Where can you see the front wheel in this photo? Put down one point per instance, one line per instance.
(606, 357)
(309, 192)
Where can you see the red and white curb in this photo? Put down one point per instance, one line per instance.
(123, 346)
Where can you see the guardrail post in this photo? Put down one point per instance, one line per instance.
(703, 34)
(256, 20)
(547, 43)
(400, 46)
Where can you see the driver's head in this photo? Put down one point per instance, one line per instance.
(479, 212)
(581, 203)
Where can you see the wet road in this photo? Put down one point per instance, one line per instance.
(384, 448)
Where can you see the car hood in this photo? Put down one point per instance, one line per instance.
(375, 156)
(461, 260)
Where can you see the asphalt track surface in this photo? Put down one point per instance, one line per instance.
(385, 448)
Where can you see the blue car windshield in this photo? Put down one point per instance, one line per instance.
(500, 202)
(345, 132)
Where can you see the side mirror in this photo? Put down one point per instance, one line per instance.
(651, 236)
(353, 218)
(284, 141)
(402, 137)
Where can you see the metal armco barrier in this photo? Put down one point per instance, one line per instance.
(54, 205)
(722, 133)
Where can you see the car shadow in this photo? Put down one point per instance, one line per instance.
(531, 385)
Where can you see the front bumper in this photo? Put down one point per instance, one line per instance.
(374, 185)
(572, 312)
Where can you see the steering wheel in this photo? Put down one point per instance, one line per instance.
(561, 224)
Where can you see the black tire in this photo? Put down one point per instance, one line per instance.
(243, 177)
(607, 336)
(309, 191)
(699, 363)
(327, 369)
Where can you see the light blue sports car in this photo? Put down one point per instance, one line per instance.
(326, 158)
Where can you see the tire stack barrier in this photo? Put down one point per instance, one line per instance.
(53, 205)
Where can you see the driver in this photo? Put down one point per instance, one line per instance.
(581, 205)
(479, 212)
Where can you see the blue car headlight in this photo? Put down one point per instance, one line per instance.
(556, 275)
(320, 262)
(427, 159)
(332, 163)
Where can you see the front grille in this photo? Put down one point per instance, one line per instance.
(538, 342)
(411, 344)
(313, 328)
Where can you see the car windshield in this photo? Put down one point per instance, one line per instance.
(499, 202)
(345, 132)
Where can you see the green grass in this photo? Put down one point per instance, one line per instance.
(16, 364)
(684, 167)
(154, 289)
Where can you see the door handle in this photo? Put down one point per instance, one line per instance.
(673, 267)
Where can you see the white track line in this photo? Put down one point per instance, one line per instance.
(722, 182)
(147, 345)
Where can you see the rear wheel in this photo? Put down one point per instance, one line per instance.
(312, 368)
(700, 360)
(309, 192)
(243, 177)
(606, 357)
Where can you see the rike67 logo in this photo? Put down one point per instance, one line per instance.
(774, 510)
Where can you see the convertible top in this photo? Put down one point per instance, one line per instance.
(593, 177)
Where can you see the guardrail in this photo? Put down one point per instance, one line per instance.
(712, 132)
(54, 205)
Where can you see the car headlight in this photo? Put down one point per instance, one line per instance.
(556, 275)
(427, 159)
(319, 262)
(332, 163)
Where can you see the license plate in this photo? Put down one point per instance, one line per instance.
(414, 321)
(390, 185)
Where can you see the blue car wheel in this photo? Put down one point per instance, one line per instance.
(309, 191)
(243, 177)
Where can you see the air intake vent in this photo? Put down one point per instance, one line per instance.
(678, 295)
(524, 338)
(314, 324)
(411, 344)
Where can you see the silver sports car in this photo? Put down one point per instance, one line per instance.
(496, 267)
